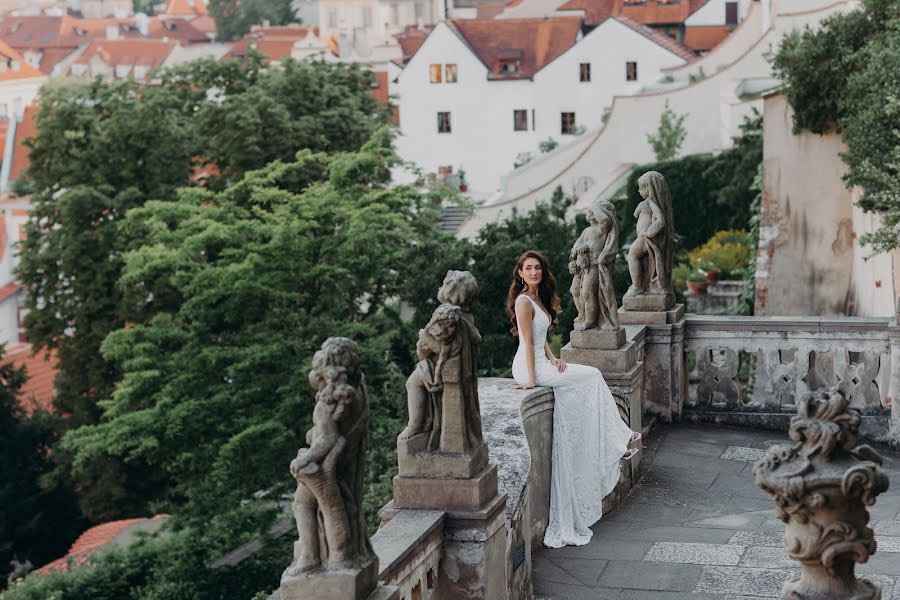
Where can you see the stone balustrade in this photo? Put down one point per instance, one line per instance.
(752, 370)
(409, 551)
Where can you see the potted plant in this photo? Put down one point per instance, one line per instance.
(697, 283)
(463, 186)
(709, 268)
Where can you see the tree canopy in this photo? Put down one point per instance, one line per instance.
(234, 18)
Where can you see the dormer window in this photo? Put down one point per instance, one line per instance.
(510, 62)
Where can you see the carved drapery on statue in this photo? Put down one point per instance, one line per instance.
(333, 556)
(822, 485)
(442, 391)
(651, 255)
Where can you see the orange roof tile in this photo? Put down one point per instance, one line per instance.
(662, 12)
(410, 40)
(595, 11)
(24, 130)
(276, 43)
(16, 66)
(186, 7)
(660, 38)
(139, 52)
(38, 392)
(91, 541)
(532, 43)
(703, 39)
(181, 30)
(206, 24)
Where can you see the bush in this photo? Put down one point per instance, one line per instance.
(729, 251)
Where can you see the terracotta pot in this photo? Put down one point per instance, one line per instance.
(697, 288)
(713, 275)
(463, 187)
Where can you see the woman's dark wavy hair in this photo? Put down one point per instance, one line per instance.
(546, 289)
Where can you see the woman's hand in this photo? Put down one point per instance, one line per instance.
(559, 364)
(526, 386)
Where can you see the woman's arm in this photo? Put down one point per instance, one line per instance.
(556, 362)
(524, 316)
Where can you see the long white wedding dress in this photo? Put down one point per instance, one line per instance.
(589, 438)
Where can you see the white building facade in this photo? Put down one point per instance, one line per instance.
(479, 118)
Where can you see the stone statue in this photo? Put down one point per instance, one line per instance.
(652, 253)
(590, 262)
(822, 485)
(442, 391)
(328, 502)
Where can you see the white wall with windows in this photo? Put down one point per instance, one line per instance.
(375, 20)
(488, 126)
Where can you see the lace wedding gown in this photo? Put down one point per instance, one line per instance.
(589, 438)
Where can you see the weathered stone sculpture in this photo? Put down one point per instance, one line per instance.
(443, 439)
(651, 254)
(822, 485)
(590, 262)
(333, 557)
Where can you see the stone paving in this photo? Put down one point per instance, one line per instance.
(696, 527)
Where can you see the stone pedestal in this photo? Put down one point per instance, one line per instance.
(433, 493)
(337, 584)
(603, 339)
(414, 460)
(648, 302)
(664, 385)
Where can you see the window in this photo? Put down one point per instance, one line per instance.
(435, 73)
(443, 122)
(631, 71)
(568, 123)
(584, 72)
(520, 120)
(509, 66)
(731, 13)
(450, 73)
(532, 119)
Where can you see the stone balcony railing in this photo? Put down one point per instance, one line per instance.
(752, 370)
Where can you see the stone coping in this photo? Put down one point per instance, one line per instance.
(402, 535)
(725, 324)
(502, 412)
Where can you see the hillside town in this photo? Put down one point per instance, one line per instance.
(224, 228)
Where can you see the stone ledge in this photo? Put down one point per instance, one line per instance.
(401, 537)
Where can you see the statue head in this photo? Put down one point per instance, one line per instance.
(603, 213)
(652, 186)
(459, 288)
(336, 362)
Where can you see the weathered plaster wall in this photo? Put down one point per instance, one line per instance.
(876, 278)
(806, 250)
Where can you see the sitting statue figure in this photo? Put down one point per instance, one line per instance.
(424, 386)
(590, 263)
(448, 352)
(651, 254)
(328, 502)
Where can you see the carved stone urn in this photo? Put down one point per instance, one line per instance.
(822, 485)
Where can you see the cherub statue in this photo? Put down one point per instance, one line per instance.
(328, 502)
(650, 256)
(424, 386)
(590, 263)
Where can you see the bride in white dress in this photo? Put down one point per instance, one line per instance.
(589, 436)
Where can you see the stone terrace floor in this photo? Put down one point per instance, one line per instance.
(696, 527)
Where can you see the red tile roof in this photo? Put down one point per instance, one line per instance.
(93, 540)
(147, 53)
(595, 11)
(24, 130)
(533, 43)
(410, 40)
(660, 12)
(206, 24)
(38, 392)
(276, 43)
(660, 38)
(706, 38)
(16, 67)
(186, 7)
(180, 30)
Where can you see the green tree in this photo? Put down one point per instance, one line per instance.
(669, 136)
(36, 524)
(234, 18)
(230, 297)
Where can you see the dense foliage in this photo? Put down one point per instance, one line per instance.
(234, 18)
(709, 192)
(105, 148)
(667, 140)
(36, 524)
(845, 76)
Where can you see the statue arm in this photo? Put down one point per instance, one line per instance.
(658, 223)
(328, 438)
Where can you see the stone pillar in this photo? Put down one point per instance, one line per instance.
(333, 557)
(894, 332)
(442, 456)
(664, 384)
(822, 485)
